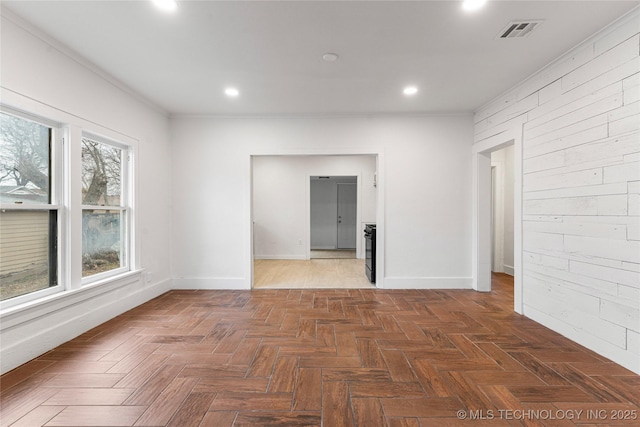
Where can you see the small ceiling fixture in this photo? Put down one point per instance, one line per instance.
(471, 5)
(330, 57)
(231, 92)
(410, 90)
(166, 5)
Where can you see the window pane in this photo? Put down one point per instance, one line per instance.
(101, 174)
(24, 161)
(27, 252)
(102, 241)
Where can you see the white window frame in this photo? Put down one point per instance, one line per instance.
(66, 198)
(126, 206)
(56, 173)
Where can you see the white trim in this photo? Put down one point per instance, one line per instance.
(19, 102)
(481, 222)
(481, 241)
(428, 283)
(205, 283)
(103, 276)
(627, 357)
(43, 306)
(127, 199)
(80, 60)
(282, 256)
(23, 300)
(29, 207)
(498, 218)
(73, 205)
(104, 140)
(508, 269)
(48, 324)
(205, 116)
(56, 193)
(104, 208)
(26, 115)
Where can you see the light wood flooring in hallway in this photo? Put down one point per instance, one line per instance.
(337, 273)
(334, 357)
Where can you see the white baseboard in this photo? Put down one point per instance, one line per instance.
(29, 335)
(302, 257)
(427, 283)
(629, 357)
(233, 283)
(508, 269)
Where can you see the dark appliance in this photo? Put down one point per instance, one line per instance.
(370, 251)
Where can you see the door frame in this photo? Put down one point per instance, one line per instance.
(497, 217)
(380, 201)
(481, 227)
(359, 239)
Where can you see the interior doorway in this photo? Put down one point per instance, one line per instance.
(502, 203)
(483, 243)
(333, 216)
(280, 220)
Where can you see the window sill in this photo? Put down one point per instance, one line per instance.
(31, 310)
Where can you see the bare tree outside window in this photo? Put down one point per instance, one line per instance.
(28, 237)
(103, 224)
(101, 173)
(24, 160)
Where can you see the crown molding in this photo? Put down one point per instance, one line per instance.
(6, 13)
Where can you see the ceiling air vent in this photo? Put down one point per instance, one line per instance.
(517, 29)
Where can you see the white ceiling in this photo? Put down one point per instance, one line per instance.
(272, 50)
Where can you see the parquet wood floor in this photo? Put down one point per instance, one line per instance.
(355, 357)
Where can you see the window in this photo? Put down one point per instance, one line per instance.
(62, 225)
(104, 207)
(29, 209)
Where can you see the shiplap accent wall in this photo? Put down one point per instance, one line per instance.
(580, 120)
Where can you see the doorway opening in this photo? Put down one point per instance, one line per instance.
(497, 246)
(502, 202)
(333, 217)
(280, 206)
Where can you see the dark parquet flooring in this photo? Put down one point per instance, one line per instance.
(348, 357)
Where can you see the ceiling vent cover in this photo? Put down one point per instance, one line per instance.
(518, 29)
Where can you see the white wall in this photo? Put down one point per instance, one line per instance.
(579, 120)
(423, 172)
(42, 78)
(502, 161)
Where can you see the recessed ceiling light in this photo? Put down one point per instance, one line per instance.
(168, 5)
(231, 92)
(410, 90)
(330, 57)
(471, 5)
